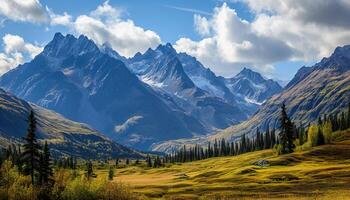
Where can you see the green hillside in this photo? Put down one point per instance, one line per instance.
(65, 137)
(321, 172)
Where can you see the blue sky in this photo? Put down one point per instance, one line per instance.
(224, 35)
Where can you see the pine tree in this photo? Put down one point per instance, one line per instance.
(89, 170)
(273, 138)
(149, 161)
(243, 144)
(343, 123)
(117, 162)
(31, 155)
(267, 139)
(110, 173)
(320, 137)
(348, 117)
(286, 132)
(46, 171)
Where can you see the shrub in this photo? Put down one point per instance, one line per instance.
(313, 135)
(327, 132)
(117, 190)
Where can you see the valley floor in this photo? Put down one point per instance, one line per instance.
(316, 173)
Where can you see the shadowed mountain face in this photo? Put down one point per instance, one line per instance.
(321, 89)
(65, 137)
(74, 77)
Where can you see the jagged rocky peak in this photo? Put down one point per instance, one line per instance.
(340, 59)
(69, 44)
(250, 74)
(166, 49)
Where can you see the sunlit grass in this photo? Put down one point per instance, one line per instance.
(318, 173)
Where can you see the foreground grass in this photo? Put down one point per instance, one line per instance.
(316, 173)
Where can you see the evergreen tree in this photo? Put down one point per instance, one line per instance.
(320, 137)
(46, 171)
(127, 161)
(273, 138)
(110, 173)
(117, 162)
(348, 117)
(258, 140)
(343, 123)
(267, 140)
(149, 161)
(31, 155)
(286, 132)
(89, 170)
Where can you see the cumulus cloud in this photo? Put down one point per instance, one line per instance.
(15, 49)
(282, 30)
(233, 44)
(63, 20)
(201, 25)
(24, 10)
(104, 25)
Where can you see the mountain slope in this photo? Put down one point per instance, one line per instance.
(162, 69)
(74, 77)
(321, 89)
(64, 136)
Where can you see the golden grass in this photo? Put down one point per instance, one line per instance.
(318, 173)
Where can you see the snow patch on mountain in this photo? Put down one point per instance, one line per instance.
(151, 82)
(205, 84)
(253, 101)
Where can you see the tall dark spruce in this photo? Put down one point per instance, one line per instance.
(286, 132)
(46, 171)
(31, 150)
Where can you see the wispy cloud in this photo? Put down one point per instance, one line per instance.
(196, 11)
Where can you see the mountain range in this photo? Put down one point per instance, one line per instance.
(152, 97)
(313, 92)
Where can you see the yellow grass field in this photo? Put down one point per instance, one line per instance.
(316, 173)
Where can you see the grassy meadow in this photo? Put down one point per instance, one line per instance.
(321, 172)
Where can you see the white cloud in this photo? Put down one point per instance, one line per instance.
(15, 49)
(8, 62)
(201, 25)
(15, 44)
(24, 10)
(64, 20)
(104, 25)
(233, 44)
(106, 10)
(282, 30)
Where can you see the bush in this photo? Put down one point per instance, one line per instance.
(327, 132)
(82, 188)
(114, 190)
(313, 135)
(68, 185)
(278, 149)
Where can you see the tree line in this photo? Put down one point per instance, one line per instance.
(289, 135)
